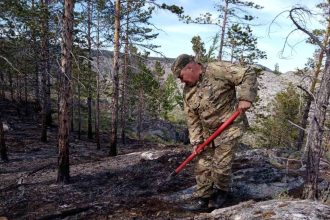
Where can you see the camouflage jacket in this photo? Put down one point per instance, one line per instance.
(213, 99)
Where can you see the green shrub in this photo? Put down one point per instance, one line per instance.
(276, 130)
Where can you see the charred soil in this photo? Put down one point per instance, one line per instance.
(127, 186)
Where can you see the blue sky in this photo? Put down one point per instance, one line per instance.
(175, 36)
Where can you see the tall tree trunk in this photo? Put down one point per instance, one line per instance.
(65, 93)
(140, 109)
(124, 92)
(97, 109)
(44, 68)
(26, 93)
(72, 108)
(115, 72)
(3, 148)
(223, 30)
(79, 106)
(18, 89)
(36, 63)
(2, 85)
(315, 133)
(304, 120)
(18, 94)
(49, 119)
(11, 87)
(89, 43)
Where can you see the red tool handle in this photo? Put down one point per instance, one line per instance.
(201, 147)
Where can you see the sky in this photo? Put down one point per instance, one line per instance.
(175, 36)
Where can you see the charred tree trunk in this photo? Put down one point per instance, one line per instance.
(97, 109)
(304, 120)
(11, 87)
(3, 148)
(72, 108)
(49, 119)
(26, 93)
(124, 92)
(65, 93)
(315, 134)
(79, 107)
(2, 85)
(139, 128)
(115, 72)
(36, 62)
(18, 94)
(223, 30)
(44, 69)
(89, 43)
(18, 89)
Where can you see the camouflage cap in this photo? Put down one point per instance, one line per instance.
(179, 63)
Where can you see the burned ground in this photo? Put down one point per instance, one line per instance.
(131, 185)
(128, 186)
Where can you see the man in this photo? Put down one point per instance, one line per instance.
(209, 99)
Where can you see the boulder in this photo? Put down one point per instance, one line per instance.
(272, 209)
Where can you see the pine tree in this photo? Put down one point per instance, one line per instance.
(244, 45)
(65, 93)
(45, 68)
(230, 12)
(115, 86)
(199, 49)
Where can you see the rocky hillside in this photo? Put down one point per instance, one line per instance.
(269, 85)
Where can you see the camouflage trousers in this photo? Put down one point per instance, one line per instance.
(213, 168)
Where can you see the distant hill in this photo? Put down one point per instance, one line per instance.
(269, 83)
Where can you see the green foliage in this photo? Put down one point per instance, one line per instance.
(230, 12)
(170, 97)
(201, 55)
(159, 96)
(276, 130)
(277, 69)
(172, 8)
(244, 45)
(198, 48)
(237, 11)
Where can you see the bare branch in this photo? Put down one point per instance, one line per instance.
(301, 128)
(10, 64)
(286, 43)
(273, 21)
(293, 10)
(310, 95)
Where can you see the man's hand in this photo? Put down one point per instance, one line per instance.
(195, 149)
(243, 106)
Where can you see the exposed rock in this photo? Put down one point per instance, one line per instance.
(269, 85)
(272, 209)
(149, 155)
(157, 129)
(257, 177)
(5, 127)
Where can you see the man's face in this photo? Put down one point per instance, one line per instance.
(190, 73)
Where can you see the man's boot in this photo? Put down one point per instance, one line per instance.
(197, 205)
(218, 198)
